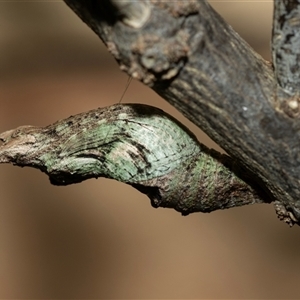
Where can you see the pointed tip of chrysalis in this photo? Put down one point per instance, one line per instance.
(16, 142)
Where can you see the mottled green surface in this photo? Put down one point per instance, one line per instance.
(128, 146)
(135, 144)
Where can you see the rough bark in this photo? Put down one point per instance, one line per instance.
(187, 53)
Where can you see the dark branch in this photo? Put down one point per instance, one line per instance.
(286, 46)
(193, 59)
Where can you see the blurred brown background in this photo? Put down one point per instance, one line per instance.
(100, 238)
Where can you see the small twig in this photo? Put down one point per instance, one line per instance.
(286, 44)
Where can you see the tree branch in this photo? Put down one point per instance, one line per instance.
(138, 145)
(189, 55)
(286, 45)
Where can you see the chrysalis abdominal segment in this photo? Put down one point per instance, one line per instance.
(136, 144)
(132, 143)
